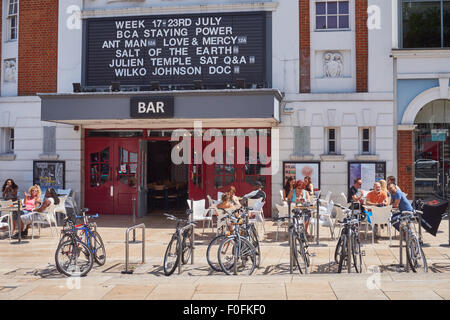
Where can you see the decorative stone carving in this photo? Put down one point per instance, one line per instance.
(10, 70)
(333, 64)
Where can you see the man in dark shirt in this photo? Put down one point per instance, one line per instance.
(354, 193)
(257, 193)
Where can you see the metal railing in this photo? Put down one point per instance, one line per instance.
(127, 244)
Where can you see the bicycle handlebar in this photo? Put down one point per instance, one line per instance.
(89, 217)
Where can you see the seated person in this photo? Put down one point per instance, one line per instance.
(355, 195)
(309, 186)
(51, 198)
(9, 190)
(233, 198)
(399, 201)
(257, 193)
(288, 188)
(30, 202)
(301, 196)
(376, 196)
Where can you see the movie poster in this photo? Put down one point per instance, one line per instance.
(299, 170)
(49, 174)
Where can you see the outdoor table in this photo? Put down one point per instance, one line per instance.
(16, 208)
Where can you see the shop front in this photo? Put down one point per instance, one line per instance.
(205, 143)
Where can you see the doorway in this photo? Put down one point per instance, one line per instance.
(167, 183)
(111, 175)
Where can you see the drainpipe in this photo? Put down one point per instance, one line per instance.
(395, 110)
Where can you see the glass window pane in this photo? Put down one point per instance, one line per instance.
(365, 134)
(343, 22)
(104, 156)
(133, 157)
(332, 22)
(343, 7)
(331, 147)
(321, 22)
(320, 8)
(421, 24)
(94, 157)
(331, 7)
(365, 146)
(331, 134)
(447, 24)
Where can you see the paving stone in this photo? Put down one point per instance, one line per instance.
(413, 295)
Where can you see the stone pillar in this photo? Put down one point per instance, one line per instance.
(405, 159)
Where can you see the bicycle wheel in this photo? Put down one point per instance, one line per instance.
(349, 252)
(73, 258)
(255, 242)
(356, 253)
(212, 253)
(415, 256)
(342, 254)
(337, 251)
(187, 246)
(306, 247)
(300, 255)
(97, 248)
(171, 258)
(236, 261)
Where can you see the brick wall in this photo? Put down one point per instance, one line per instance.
(405, 161)
(38, 46)
(362, 51)
(305, 44)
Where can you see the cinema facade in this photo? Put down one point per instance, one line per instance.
(148, 74)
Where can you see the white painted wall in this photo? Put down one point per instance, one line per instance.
(69, 44)
(351, 112)
(380, 45)
(342, 41)
(285, 47)
(25, 118)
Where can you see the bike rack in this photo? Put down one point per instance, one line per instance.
(291, 262)
(180, 248)
(127, 244)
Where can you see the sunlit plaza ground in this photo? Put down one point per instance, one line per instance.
(27, 270)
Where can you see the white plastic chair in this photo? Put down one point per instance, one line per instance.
(283, 212)
(46, 217)
(284, 202)
(344, 200)
(219, 196)
(61, 206)
(6, 215)
(380, 215)
(199, 213)
(325, 219)
(257, 210)
(212, 206)
(326, 201)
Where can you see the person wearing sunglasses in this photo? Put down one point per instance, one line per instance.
(355, 194)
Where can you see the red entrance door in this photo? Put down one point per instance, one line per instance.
(111, 175)
(245, 166)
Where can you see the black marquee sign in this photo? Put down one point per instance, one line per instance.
(175, 50)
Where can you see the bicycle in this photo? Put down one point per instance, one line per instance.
(172, 255)
(87, 233)
(248, 231)
(73, 257)
(297, 232)
(348, 248)
(414, 253)
(236, 252)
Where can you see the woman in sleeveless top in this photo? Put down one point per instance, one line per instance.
(30, 202)
(51, 198)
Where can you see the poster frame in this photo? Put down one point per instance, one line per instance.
(35, 178)
(304, 162)
(362, 162)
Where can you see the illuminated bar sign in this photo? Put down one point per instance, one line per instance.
(151, 107)
(217, 49)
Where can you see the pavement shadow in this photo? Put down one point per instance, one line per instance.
(439, 267)
(277, 269)
(49, 272)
